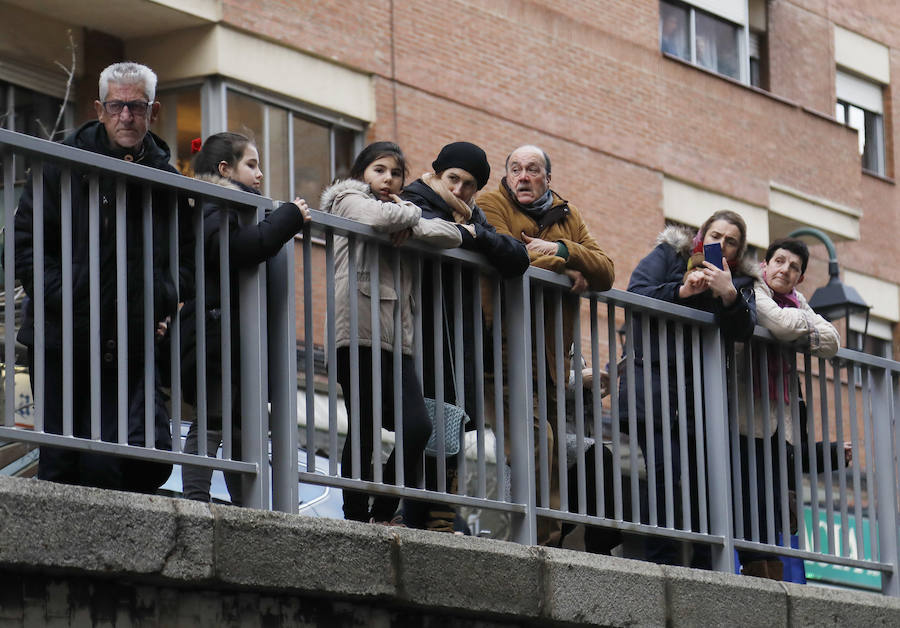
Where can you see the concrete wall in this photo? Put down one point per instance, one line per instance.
(73, 556)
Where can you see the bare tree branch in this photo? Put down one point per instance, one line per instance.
(70, 77)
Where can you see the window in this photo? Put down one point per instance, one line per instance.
(701, 38)
(860, 106)
(180, 121)
(301, 151)
(33, 113)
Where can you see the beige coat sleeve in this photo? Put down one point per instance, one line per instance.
(790, 324)
(382, 216)
(438, 233)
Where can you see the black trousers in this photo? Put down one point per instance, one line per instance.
(70, 466)
(661, 550)
(416, 428)
(748, 505)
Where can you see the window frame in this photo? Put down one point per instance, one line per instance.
(742, 37)
(214, 118)
(848, 85)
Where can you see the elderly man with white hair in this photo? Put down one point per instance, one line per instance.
(125, 110)
(523, 206)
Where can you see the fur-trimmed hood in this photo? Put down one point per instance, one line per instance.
(339, 187)
(680, 239)
(217, 179)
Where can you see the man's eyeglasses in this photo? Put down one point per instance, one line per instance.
(136, 107)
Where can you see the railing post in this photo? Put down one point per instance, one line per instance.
(886, 506)
(282, 350)
(717, 467)
(254, 419)
(521, 413)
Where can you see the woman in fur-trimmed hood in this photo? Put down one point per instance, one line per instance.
(674, 271)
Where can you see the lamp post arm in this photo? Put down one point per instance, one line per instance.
(829, 246)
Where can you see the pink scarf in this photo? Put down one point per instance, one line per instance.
(774, 354)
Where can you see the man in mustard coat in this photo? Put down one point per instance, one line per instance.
(557, 239)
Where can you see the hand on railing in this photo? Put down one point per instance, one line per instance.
(537, 245)
(579, 283)
(304, 209)
(848, 454)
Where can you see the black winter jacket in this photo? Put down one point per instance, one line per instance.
(155, 154)
(660, 275)
(505, 253)
(248, 246)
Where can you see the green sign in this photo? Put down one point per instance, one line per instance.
(840, 574)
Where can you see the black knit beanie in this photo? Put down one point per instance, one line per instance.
(467, 156)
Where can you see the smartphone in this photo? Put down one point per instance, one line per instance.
(712, 253)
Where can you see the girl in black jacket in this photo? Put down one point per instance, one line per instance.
(230, 160)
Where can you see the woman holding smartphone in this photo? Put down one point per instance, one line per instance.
(677, 271)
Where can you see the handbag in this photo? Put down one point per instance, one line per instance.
(455, 418)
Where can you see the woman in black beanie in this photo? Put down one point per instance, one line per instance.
(448, 192)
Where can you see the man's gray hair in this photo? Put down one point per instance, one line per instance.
(534, 148)
(128, 73)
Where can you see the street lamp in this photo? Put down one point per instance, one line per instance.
(834, 300)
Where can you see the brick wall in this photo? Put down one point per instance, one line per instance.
(587, 82)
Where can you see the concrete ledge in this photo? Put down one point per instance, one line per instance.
(710, 598)
(816, 606)
(219, 556)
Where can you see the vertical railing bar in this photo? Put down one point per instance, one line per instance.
(683, 437)
(798, 451)
(734, 440)
(782, 450)
(478, 345)
(541, 362)
(355, 421)
(202, 418)
(614, 409)
(374, 250)
(65, 218)
(868, 419)
(649, 420)
(459, 360)
(854, 438)
(600, 472)
(94, 292)
(842, 479)
(397, 374)
(559, 380)
(811, 451)
(497, 340)
(459, 372)
(331, 346)
(225, 347)
(175, 324)
(581, 468)
(700, 418)
(767, 441)
(122, 310)
(309, 366)
(665, 418)
(715, 401)
(149, 332)
(9, 311)
(630, 388)
(40, 329)
(437, 337)
(752, 470)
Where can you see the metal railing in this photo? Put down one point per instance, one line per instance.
(556, 450)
